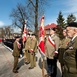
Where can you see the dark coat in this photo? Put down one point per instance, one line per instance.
(63, 44)
(70, 59)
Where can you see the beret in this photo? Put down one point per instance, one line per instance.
(72, 24)
(17, 37)
(53, 29)
(28, 33)
(33, 34)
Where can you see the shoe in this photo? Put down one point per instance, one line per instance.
(26, 63)
(17, 68)
(31, 67)
(47, 75)
(15, 71)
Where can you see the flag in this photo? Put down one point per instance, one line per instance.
(41, 38)
(24, 33)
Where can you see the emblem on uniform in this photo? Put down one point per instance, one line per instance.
(71, 48)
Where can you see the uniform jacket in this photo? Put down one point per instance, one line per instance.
(70, 57)
(16, 50)
(27, 44)
(33, 45)
(63, 44)
(49, 49)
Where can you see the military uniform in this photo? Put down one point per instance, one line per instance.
(50, 54)
(70, 55)
(63, 44)
(70, 59)
(33, 50)
(27, 48)
(16, 54)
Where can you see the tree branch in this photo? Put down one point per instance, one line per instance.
(32, 3)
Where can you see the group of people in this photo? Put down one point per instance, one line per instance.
(64, 50)
(30, 49)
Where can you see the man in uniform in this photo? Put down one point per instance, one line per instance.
(16, 53)
(63, 44)
(70, 55)
(51, 49)
(33, 50)
(27, 47)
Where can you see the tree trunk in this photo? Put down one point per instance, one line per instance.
(36, 19)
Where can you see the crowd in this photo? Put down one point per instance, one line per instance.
(64, 50)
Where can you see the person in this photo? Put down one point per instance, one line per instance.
(51, 49)
(21, 52)
(16, 53)
(33, 50)
(70, 55)
(27, 47)
(63, 44)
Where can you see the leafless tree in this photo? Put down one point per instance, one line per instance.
(36, 9)
(32, 11)
(18, 16)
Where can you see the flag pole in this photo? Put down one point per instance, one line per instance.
(43, 67)
(41, 44)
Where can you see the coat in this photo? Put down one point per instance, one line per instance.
(33, 45)
(63, 44)
(70, 59)
(27, 44)
(49, 49)
(16, 50)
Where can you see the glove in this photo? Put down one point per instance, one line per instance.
(31, 50)
(56, 52)
(56, 55)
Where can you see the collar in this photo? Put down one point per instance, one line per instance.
(52, 35)
(74, 37)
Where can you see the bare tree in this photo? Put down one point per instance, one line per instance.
(1, 32)
(18, 16)
(35, 10)
(32, 11)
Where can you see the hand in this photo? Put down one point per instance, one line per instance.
(56, 52)
(56, 55)
(31, 50)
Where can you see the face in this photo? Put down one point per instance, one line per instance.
(33, 36)
(52, 32)
(70, 32)
(28, 36)
(17, 39)
(64, 32)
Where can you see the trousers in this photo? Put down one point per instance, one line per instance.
(52, 67)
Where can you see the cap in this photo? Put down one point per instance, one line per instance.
(17, 37)
(28, 33)
(33, 34)
(72, 24)
(53, 28)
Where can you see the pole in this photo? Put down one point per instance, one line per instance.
(43, 67)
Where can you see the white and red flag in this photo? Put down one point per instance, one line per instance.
(24, 32)
(41, 36)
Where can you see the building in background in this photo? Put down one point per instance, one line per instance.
(47, 28)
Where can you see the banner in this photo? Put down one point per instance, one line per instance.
(41, 38)
(24, 33)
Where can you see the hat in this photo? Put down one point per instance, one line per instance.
(17, 37)
(28, 33)
(53, 28)
(72, 24)
(33, 34)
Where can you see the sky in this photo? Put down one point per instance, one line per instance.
(51, 12)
